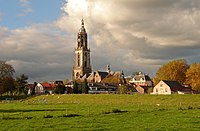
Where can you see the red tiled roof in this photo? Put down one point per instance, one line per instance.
(30, 86)
(48, 86)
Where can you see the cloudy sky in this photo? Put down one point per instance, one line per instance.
(38, 37)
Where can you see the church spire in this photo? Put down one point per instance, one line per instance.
(82, 26)
(81, 65)
(82, 23)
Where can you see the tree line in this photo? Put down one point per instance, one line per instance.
(9, 84)
(176, 70)
(179, 70)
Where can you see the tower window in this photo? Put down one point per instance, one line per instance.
(85, 63)
(78, 60)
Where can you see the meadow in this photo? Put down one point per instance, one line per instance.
(102, 112)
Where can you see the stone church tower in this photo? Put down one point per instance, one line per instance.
(81, 65)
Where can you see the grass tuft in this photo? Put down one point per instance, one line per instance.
(48, 116)
(71, 115)
(115, 111)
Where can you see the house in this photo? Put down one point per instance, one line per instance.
(141, 82)
(141, 79)
(44, 88)
(142, 89)
(186, 90)
(69, 87)
(30, 88)
(99, 76)
(99, 88)
(167, 87)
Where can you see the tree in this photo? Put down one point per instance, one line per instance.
(60, 89)
(6, 80)
(174, 70)
(85, 87)
(7, 84)
(6, 70)
(122, 89)
(75, 87)
(33, 90)
(21, 84)
(193, 76)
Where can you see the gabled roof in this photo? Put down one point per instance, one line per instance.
(143, 76)
(147, 78)
(48, 86)
(174, 85)
(102, 74)
(91, 76)
(30, 86)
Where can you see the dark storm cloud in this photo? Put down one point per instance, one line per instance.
(130, 35)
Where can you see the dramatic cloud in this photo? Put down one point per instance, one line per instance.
(40, 51)
(137, 34)
(130, 35)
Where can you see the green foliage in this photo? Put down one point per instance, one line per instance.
(174, 70)
(85, 87)
(75, 87)
(21, 84)
(81, 87)
(60, 89)
(149, 90)
(7, 84)
(193, 76)
(123, 89)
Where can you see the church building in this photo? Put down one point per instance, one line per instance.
(81, 65)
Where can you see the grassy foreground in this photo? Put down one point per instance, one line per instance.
(102, 112)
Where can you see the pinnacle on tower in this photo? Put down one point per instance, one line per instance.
(82, 24)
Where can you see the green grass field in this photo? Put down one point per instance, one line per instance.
(102, 112)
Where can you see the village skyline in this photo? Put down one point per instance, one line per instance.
(41, 45)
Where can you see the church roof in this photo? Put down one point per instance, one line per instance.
(102, 74)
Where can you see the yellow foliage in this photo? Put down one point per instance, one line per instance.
(193, 76)
(174, 70)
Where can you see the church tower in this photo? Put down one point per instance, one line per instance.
(81, 65)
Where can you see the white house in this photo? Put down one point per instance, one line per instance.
(141, 79)
(166, 87)
(39, 89)
(44, 88)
